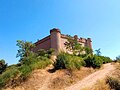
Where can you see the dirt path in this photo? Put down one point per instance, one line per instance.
(92, 79)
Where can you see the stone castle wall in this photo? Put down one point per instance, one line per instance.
(45, 43)
(56, 41)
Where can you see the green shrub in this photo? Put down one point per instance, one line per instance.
(74, 62)
(28, 62)
(40, 64)
(89, 61)
(31, 64)
(105, 59)
(8, 75)
(67, 61)
(3, 66)
(93, 61)
(25, 71)
(45, 53)
(118, 59)
(96, 61)
(114, 83)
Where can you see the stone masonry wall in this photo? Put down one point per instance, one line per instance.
(56, 41)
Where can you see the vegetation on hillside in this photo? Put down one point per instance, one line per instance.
(114, 80)
(118, 58)
(3, 66)
(74, 46)
(29, 61)
(82, 56)
(67, 61)
(13, 75)
(96, 61)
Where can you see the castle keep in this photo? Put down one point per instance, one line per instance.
(56, 40)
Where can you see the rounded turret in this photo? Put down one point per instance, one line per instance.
(75, 37)
(89, 43)
(55, 36)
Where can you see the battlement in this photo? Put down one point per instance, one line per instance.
(56, 40)
(55, 30)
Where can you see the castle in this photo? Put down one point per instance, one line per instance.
(56, 40)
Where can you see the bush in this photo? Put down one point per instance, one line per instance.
(15, 74)
(93, 61)
(67, 61)
(105, 59)
(118, 59)
(8, 75)
(114, 83)
(25, 71)
(28, 62)
(45, 53)
(74, 62)
(3, 66)
(40, 63)
(96, 61)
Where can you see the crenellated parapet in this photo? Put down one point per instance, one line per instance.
(56, 40)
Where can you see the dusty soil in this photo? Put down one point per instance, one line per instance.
(90, 80)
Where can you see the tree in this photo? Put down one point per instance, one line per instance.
(3, 65)
(88, 50)
(73, 45)
(24, 49)
(98, 52)
(118, 58)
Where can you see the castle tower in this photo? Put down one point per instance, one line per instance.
(89, 43)
(76, 37)
(55, 36)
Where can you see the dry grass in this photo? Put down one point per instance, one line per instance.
(55, 81)
(67, 77)
(100, 85)
(114, 79)
(116, 72)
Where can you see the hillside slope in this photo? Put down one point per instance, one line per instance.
(93, 78)
(44, 80)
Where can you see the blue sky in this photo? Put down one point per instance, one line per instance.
(32, 19)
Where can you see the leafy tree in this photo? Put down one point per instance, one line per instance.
(24, 49)
(73, 45)
(117, 59)
(3, 66)
(88, 50)
(42, 52)
(98, 52)
(45, 53)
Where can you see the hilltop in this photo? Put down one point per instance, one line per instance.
(38, 71)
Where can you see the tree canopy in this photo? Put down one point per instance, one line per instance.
(24, 48)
